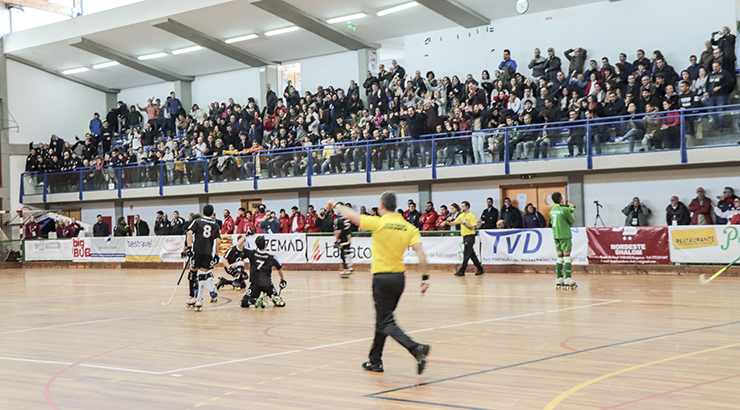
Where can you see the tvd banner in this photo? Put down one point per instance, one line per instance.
(645, 245)
(528, 247)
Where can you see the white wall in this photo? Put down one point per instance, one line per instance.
(147, 209)
(654, 188)
(603, 28)
(140, 95)
(44, 104)
(367, 196)
(238, 85)
(334, 69)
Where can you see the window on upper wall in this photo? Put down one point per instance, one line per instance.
(24, 18)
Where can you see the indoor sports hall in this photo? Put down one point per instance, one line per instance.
(463, 204)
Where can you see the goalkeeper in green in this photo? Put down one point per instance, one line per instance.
(561, 218)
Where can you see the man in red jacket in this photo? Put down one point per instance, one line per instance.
(32, 230)
(701, 208)
(441, 225)
(259, 216)
(284, 220)
(311, 216)
(429, 219)
(240, 224)
(297, 221)
(227, 227)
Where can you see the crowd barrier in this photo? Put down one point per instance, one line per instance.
(619, 245)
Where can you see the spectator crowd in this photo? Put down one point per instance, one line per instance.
(333, 130)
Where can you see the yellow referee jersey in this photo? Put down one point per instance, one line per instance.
(391, 236)
(470, 219)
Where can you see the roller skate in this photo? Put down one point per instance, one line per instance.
(278, 301)
(260, 302)
(214, 297)
(222, 282)
(244, 302)
(569, 284)
(559, 283)
(190, 303)
(198, 305)
(346, 273)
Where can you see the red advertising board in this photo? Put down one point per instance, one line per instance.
(629, 245)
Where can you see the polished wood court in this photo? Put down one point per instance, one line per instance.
(100, 339)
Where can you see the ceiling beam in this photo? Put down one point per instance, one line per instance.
(310, 23)
(45, 6)
(211, 43)
(128, 60)
(457, 12)
(60, 75)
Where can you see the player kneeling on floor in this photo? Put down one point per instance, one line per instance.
(201, 243)
(261, 288)
(234, 266)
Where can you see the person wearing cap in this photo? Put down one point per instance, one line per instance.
(95, 125)
(101, 228)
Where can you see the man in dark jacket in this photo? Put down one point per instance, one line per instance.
(271, 100)
(725, 202)
(489, 216)
(552, 64)
(577, 60)
(670, 75)
(368, 84)
(413, 216)
(719, 85)
(416, 126)
(177, 225)
(726, 43)
(325, 221)
(510, 215)
(101, 228)
(676, 213)
(141, 228)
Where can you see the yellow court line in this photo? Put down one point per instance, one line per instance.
(565, 394)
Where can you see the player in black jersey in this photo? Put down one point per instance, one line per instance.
(201, 245)
(261, 264)
(343, 235)
(234, 265)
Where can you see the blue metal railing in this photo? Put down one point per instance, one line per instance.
(371, 156)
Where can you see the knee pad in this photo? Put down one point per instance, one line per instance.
(205, 276)
(192, 275)
(568, 259)
(559, 260)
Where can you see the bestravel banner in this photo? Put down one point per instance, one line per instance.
(528, 247)
(704, 244)
(143, 249)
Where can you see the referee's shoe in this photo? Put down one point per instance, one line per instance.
(420, 354)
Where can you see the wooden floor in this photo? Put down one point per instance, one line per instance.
(100, 339)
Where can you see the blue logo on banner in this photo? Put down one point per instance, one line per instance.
(530, 243)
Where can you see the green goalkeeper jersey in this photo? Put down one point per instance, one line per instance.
(561, 218)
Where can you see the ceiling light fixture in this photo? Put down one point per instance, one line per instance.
(151, 56)
(187, 50)
(281, 31)
(105, 65)
(355, 16)
(242, 38)
(400, 7)
(75, 70)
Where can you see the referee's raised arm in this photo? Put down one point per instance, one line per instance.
(345, 211)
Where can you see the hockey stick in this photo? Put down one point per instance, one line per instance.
(704, 281)
(187, 262)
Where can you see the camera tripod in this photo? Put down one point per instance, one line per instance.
(598, 215)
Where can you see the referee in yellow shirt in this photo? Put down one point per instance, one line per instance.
(468, 223)
(391, 236)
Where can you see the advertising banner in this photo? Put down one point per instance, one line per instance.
(441, 250)
(704, 244)
(81, 249)
(48, 250)
(286, 247)
(321, 250)
(528, 247)
(645, 245)
(110, 249)
(171, 248)
(143, 249)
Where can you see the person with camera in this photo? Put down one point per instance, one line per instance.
(636, 212)
(270, 224)
(325, 220)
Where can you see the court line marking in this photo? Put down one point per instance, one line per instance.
(581, 307)
(230, 361)
(62, 297)
(645, 339)
(562, 396)
(491, 320)
(67, 324)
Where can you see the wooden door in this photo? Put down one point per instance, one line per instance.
(537, 195)
(75, 213)
(109, 221)
(249, 204)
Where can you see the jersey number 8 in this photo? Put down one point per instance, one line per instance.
(207, 231)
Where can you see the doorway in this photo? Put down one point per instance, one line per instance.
(249, 204)
(537, 195)
(292, 73)
(76, 214)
